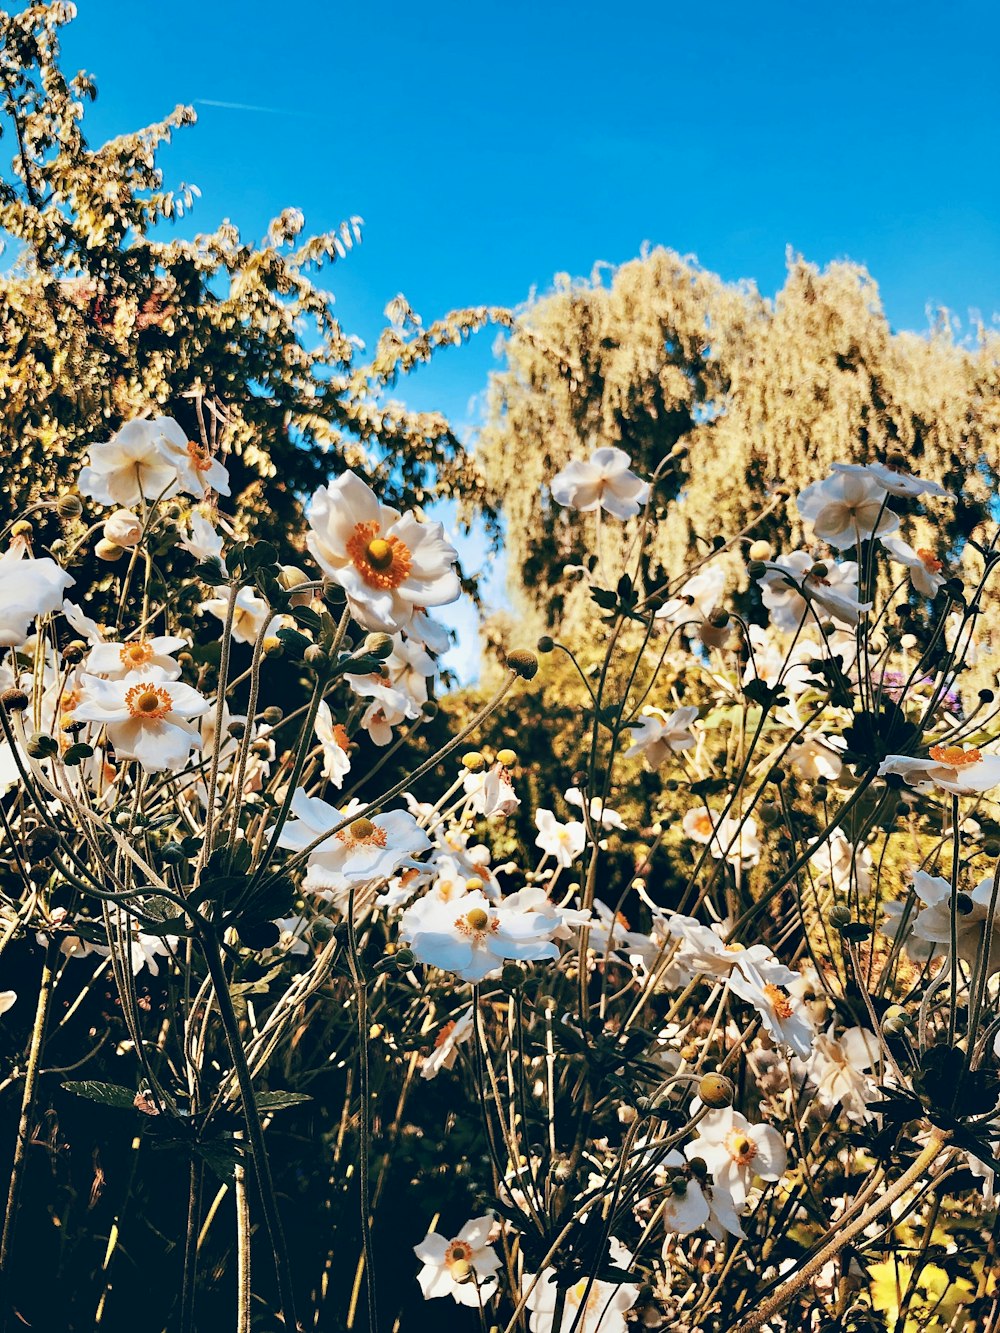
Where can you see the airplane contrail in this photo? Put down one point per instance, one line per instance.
(243, 106)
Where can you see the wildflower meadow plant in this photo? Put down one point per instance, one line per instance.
(700, 1099)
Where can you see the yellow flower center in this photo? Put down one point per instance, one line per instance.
(953, 756)
(136, 655)
(201, 459)
(740, 1148)
(363, 833)
(477, 921)
(929, 560)
(778, 1000)
(383, 562)
(148, 702)
(702, 824)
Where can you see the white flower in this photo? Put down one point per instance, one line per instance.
(924, 566)
(590, 1307)
(600, 814)
(132, 466)
(28, 588)
(137, 656)
(473, 937)
(251, 615)
(736, 1151)
(791, 578)
(146, 716)
(844, 863)
(363, 853)
(203, 541)
(389, 706)
(123, 528)
(197, 470)
(7, 998)
(894, 479)
(491, 792)
(815, 757)
(565, 842)
(730, 838)
(696, 600)
(846, 508)
(963, 772)
(837, 1068)
(446, 1044)
(389, 565)
(977, 933)
(462, 1268)
(765, 985)
(604, 482)
(898, 924)
(659, 735)
(335, 743)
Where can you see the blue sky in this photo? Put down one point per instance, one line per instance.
(490, 146)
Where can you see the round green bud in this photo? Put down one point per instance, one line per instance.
(74, 653)
(69, 505)
(546, 644)
(379, 645)
(756, 569)
(512, 976)
(315, 656)
(404, 959)
(272, 715)
(290, 576)
(839, 916)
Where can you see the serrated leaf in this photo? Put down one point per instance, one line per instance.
(108, 1094)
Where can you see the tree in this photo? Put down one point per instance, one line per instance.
(102, 318)
(733, 396)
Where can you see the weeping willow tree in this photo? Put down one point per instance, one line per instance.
(738, 400)
(104, 315)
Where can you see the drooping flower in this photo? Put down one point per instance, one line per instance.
(924, 566)
(893, 479)
(790, 579)
(659, 736)
(28, 588)
(454, 1034)
(605, 481)
(202, 540)
(564, 842)
(846, 508)
(837, 1067)
(473, 937)
(954, 768)
(251, 615)
(846, 864)
(601, 815)
(147, 716)
(123, 528)
(463, 1268)
(491, 793)
(390, 565)
(335, 744)
(977, 932)
(736, 1151)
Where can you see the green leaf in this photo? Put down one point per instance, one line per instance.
(277, 1101)
(108, 1094)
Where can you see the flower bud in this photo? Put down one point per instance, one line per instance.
(109, 551)
(74, 652)
(77, 753)
(756, 569)
(42, 842)
(546, 644)
(290, 576)
(839, 916)
(460, 1270)
(14, 700)
(404, 959)
(964, 904)
(716, 1091)
(41, 746)
(523, 663)
(69, 505)
(123, 528)
(512, 975)
(271, 715)
(760, 550)
(237, 729)
(379, 645)
(273, 647)
(719, 618)
(819, 570)
(315, 656)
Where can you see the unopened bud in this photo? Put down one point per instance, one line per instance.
(123, 528)
(109, 551)
(69, 506)
(546, 644)
(719, 618)
(716, 1091)
(14, 700)
(271, 715)
(315, 656)
(41, 746)
(523, 663)
(290, 576)
(379, 645)
(819, 570)
(760, 550)
(756, 569)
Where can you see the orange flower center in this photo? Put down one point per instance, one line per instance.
(149, 702)
(953, 756)
(779, 1001)
(363, 833)
(929, 560)
(444, 1034)
(201, 459)
(740, 1148)
(136, 655)
(459, 1251)
(340, 736)
(383, 562)
(703, 825)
